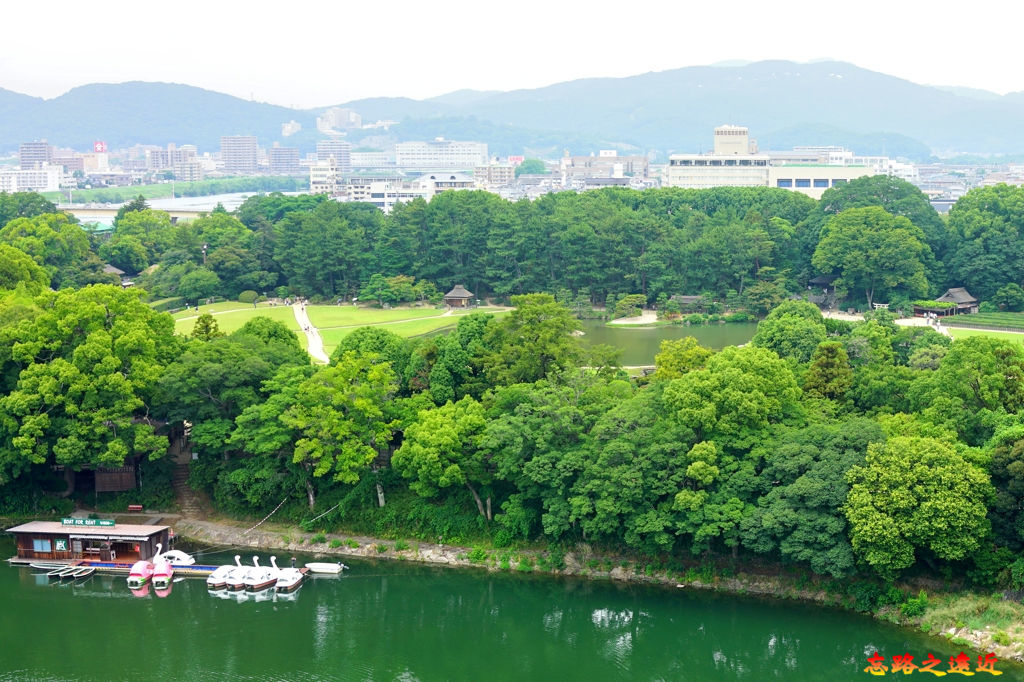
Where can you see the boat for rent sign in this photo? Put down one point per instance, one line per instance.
(87, 522)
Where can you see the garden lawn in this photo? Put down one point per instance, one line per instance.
(960, 333)
(235, 315)
(327, 316)
(223, 307)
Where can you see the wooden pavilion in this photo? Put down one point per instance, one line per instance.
(459, 297)
(957, 301)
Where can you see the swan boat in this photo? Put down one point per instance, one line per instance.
(288, 579)
(162, 569)
(263, 577)
(219, 578)
(236, 581)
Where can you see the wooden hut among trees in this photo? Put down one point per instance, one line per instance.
(459, 297)
(957, 301)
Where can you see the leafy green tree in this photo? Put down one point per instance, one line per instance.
(630, 305)
(679, 356)
(442, 449)
(533, 340)
(531, 167)
(198, 284)
(915, 494)
(17, 267)
(873, 251)
(736, 397)
(151, 228)
(790, 336)
(23, 205)
(801, 516)
(206, 328)
(126, 253)
(52, 240)
(1010, 297)
(978, 378)
(987, 239)
(86, 366)
(378, 342)
(829, 375)
(343, 417)
(134, 206)
(1007, 469)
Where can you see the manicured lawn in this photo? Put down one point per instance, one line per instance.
(995, 321)
(326, 316)
(1006, 336)
(224, 306)
(237, 316)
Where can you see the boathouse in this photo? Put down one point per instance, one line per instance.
(458, 297)
(97, 539)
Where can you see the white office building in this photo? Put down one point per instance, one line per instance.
(44, 179)
(441, 153)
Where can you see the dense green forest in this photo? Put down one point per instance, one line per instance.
(847, 448)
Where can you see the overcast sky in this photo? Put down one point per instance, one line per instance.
(308, 54)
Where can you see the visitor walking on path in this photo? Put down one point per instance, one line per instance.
(314, 344)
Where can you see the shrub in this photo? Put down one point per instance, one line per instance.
(286, 539)
(381, 548)
(525, 564)
(319, 538)
(335, 543)
(556, 558)
(248, 296)
(401, 545)
(1017, 574)
(477, 555)
(915, 606)
(352, 543)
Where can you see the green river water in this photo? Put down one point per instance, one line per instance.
(640, 344)
(406, 621)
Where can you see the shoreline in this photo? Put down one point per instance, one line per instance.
(578, 562)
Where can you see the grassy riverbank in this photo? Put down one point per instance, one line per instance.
(980, 622)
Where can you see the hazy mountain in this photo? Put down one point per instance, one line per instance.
(124, 114)
(782, 103)
(461, 98)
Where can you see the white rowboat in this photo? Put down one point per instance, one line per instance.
(323, 567)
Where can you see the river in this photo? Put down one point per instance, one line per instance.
(640, 344)
(404, 621)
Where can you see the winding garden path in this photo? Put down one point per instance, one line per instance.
(314, 344)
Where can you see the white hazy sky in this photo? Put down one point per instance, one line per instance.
(308, 54)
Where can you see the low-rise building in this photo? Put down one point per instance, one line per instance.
(43, 179)
(440, 154)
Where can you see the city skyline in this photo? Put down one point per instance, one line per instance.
(420, 54)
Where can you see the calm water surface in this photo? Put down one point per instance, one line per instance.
(640, 344)
(404, 621)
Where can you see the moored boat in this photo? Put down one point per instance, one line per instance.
(218, 579)
(162, 573)
(288, 579)
(326, 567)
(236, 581)
(140, 574)
(179, 558)
(261, 578)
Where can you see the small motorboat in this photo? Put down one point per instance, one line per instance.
(179, 558)
(236, 581)
(323, 567)
(261, 578)
(77, 573)
(288, 579)
(140, 574)
(219, 578)
(48, 566)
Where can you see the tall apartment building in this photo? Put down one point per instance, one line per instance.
(284, 160)
(339, 150)
(494, 175)
(324, 176)
(158, 159)
(441, 153)
(32, 155)
(239, 154)
(188, 171)
(373, 160)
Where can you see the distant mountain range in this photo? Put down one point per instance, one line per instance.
(782, 103)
